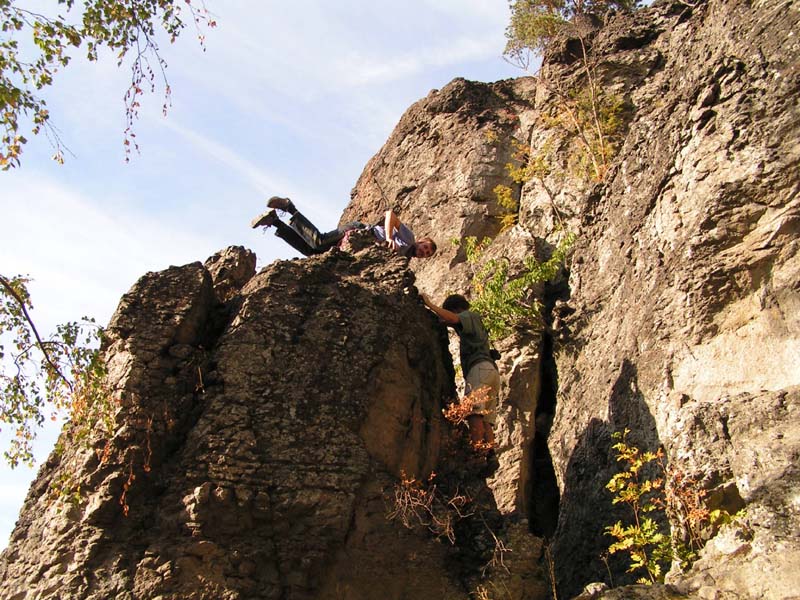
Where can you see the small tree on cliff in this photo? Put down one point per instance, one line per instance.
(535, 23)
(586, 111)
(41, 374)
(34, 47)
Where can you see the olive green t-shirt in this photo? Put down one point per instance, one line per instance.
(474, 347)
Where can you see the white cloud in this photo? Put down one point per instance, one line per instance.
(11, 498)
(356, 69)
(308, 50)
(261, 181)
(485, 12)
(81, 254)
(266, 184)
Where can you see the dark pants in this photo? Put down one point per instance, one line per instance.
(302, 235)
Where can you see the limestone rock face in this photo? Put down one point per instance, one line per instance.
(678, 314)
(255, 442)
(230, 269)
(262, 417)
(438, 171)
(749, 443)
(440, 165)
(684, 285)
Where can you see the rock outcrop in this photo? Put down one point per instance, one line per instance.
(684, 284)
(678, 318)
(438, 170)
(258, 442)
(262, 417)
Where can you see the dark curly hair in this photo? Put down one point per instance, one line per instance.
(455, 303)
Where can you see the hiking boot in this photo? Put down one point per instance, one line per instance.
(281, 204)
(264, 220)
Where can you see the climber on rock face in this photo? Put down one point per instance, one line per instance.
(477, 364)
(304, 237)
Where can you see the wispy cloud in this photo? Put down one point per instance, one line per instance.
(483, 12)
(260, 180)
(83, 255)
(357, 69)
(265, 183)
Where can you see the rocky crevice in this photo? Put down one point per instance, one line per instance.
(682, 273)
(545, 493)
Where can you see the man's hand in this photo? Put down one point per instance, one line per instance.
(450, 318)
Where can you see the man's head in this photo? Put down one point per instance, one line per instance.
(425, 248)
(455, 303)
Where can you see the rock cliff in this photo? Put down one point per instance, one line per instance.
(678, 314)
(263, 417)
(256, 440)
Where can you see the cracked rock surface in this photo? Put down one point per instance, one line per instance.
(256, 439)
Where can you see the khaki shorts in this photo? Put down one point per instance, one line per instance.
(485, 374)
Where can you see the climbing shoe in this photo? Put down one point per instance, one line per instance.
(264, 220)
(281, 204)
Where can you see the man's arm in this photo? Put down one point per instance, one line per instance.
(391, 223)
(445, 315)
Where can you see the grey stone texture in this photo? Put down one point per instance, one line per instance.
(684, 286)
(257, 442)
(274, 411)
(230, 269)
(681, 296)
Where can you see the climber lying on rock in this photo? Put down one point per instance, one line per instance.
(304, 237)
(477, 364)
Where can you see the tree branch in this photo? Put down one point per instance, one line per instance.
(13, 293)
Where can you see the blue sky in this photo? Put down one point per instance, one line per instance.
(288, 99)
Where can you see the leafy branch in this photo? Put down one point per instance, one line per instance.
(121, 26)
(15, 288)
(62, 372)
(525, 166)
(501, 299)
(648, 486)
(648, 547)
(534, 25)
